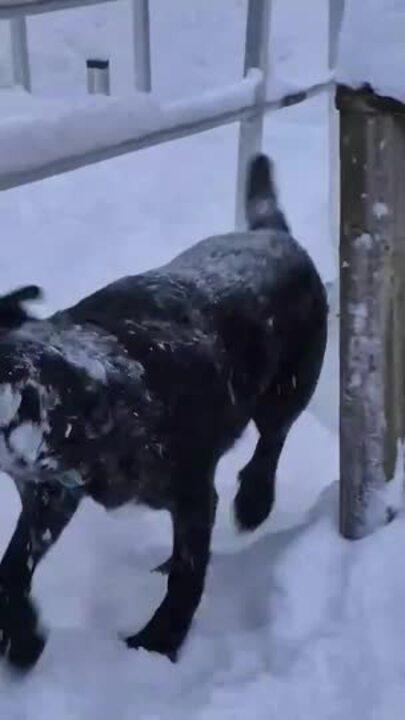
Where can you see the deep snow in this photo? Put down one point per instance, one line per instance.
(295, 622)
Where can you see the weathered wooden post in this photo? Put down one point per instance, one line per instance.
(372, 267)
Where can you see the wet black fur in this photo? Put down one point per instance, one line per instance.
(217, 350)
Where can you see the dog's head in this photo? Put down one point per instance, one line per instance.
(74, 408)
(23, 397)
(15, 363)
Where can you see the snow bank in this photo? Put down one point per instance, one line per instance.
(372, 46)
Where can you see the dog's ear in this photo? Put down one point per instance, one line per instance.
(28, 292)
(12, 310)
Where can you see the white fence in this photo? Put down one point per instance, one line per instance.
(180, 120)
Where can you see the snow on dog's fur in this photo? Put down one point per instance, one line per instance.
(135, 393)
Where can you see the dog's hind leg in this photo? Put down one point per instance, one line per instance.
(192, 521)
(46, 510)
(256, 493)
(275, 413)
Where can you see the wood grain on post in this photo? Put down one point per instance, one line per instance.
(372, 153)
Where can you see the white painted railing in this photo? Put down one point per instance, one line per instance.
(250, 116)
(25, 155)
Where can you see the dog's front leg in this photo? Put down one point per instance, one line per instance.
(46, 509)
(192, 522)
(164, 568)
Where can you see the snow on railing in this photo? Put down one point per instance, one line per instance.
(209, 111)
(64, 137)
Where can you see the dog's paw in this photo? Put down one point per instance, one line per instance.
(148, 640)
(21, 641)
(23, 654)
(252, 504)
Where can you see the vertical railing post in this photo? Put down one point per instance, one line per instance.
(19, 50)
(6, 70)
(98, 76)
(251, 128)
(335, 17)
(141, 35)
(372, 263)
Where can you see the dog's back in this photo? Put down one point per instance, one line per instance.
(215, 270)
(254, 293)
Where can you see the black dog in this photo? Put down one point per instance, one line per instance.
(135, 393)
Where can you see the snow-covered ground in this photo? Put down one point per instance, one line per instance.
(295, 622)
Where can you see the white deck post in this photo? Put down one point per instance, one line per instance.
(251, 128)
(336, 9)
(19, 49)
(141, 24)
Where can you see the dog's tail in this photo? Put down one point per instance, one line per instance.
(12, 310)
(262, 209)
